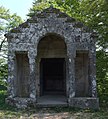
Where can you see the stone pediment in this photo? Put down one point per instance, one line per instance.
(50, 18)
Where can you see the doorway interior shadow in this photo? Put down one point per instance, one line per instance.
(52, 76)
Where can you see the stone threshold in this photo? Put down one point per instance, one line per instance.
(76, 102)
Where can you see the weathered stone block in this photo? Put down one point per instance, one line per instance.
(85, 102)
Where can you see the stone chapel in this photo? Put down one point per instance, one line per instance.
(52, 62)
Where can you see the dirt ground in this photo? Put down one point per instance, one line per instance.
(54, 113)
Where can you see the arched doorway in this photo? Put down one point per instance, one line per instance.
(51, 65)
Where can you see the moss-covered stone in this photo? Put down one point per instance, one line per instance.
(70, 20)
(16, 30)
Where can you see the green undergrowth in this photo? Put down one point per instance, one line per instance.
(10, 112)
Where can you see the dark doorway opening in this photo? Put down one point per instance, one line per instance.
(52, 74)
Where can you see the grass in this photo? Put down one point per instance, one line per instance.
(8, 112)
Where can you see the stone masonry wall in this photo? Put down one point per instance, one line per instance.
(26, 38)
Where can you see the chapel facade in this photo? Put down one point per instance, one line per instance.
(52, 54)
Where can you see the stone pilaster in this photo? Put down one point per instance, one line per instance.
(92, 70)
(11, 74)
(32, 81)
(71, 81)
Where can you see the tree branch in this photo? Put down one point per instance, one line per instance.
(2, 44)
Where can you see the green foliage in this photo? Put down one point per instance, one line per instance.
(14, 21)
(4, 13)
(38, 6)
(3, 105)
(95, 16)
(3, 72)
(7, 22)
(71, 7)
(102, 75)
(68, 6)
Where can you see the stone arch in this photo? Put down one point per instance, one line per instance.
(61, 33)
(53, 48)
(51, 33)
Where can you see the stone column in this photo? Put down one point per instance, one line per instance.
(92, 70)
(71, 75)
(32, 64)
(11, 74)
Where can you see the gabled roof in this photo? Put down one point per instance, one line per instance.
(44, 14)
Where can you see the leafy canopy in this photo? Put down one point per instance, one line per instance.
(7, 22)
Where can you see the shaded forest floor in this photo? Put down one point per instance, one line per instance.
(8, 112)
